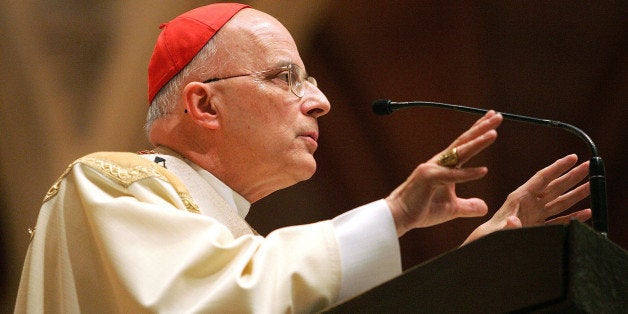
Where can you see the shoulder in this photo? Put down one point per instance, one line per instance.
(124, 169)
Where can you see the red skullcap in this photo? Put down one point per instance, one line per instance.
(182, 38)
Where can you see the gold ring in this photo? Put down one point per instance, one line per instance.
(449, 159)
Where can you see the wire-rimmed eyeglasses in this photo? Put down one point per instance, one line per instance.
(294, 76)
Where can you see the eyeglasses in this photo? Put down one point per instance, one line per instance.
(292, 74)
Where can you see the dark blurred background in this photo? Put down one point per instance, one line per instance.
(74, 82)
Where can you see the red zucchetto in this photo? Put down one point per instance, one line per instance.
(182, 38)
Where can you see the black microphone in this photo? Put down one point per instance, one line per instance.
(597, 177)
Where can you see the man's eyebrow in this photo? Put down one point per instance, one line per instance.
(284, 63)
(280, 64)
(277, 66)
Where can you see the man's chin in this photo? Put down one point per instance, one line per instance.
(309, 172)
(306, 169)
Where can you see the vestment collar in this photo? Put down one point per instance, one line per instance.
(236, 201)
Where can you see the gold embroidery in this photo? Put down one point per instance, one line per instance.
(55, 187)
(125, 176)
(189, 203)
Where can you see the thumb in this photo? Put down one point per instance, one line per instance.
(513, 222)
(472, 207)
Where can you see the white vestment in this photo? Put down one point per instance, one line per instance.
(118, 232)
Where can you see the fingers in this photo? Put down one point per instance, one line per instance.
(545, 176)
(550, 183)
(567, 200)
(443, 175)
(489, 121)
(428, 197)
(470, 149)
(566, 181)
(582, 215)
(481, 135)
(550, 192)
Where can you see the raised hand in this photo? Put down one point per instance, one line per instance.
(546, 194)
(428, 196)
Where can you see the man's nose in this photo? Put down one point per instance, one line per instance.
(315, 103)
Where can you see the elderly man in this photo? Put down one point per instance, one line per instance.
(233, 118)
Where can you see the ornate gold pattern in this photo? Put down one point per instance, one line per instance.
(189, 203)
(125, 176)
(122, 175)
(55, 187)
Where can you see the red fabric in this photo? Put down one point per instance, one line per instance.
(182, 38)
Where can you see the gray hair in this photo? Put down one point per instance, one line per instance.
(199, 68)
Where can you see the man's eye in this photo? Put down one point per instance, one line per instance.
(283, 76)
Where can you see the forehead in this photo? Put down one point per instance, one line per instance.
(255, 40)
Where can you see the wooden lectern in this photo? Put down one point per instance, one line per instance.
(568, 268)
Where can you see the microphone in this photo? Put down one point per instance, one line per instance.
(597, 177)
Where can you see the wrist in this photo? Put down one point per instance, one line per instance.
(399, 215)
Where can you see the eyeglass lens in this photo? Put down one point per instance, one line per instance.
(297, 77)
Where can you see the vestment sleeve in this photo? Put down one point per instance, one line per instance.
(369, 248)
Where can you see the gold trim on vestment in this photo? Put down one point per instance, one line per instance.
(124, 176)
(189, 203)
(54, 189)
(125, 169)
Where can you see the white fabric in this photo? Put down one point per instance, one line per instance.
(102, 246)
(234, 199)
(369, 249)
(367, 258)
(213, 197)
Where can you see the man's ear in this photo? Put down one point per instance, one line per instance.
(197, 101)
